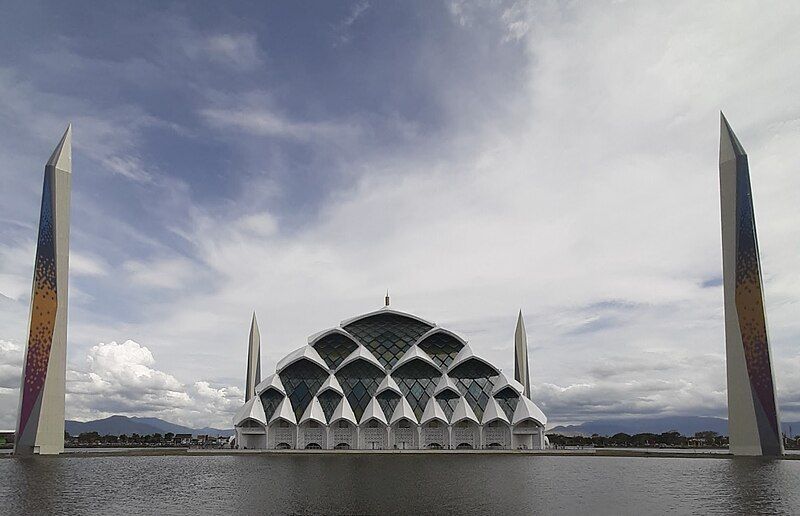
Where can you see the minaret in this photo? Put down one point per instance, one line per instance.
(253, 361)
(753, 422)
(521, 373)
(40, 423)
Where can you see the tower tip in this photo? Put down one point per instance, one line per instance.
(61, 158)
(729, 145)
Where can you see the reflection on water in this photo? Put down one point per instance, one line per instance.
(258, 484)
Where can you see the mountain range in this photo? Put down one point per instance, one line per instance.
(686, 425)
(118, 425)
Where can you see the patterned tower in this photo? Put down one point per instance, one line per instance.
(40, 424)
(253, 361)
(521, 356)
(753, 422)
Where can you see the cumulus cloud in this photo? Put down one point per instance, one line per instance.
(124, 379)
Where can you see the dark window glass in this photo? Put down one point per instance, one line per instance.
(329, 400)
(475, 381)
(388, 401)
(359, 380)
(387, 336)
(270, 399)
(417, 380)
(334, 348)
(448, 401)
(441, 347)
(507, 398)
(302, 380)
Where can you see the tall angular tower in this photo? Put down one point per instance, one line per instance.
(40, 423)
(253, 361)
(753, 422)
(521, 356)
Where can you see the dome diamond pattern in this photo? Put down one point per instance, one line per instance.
(302, 380)
(442, 348)
(417, 380)
(359, 380)
(334, 348)
(507, 398)
(388, 401)
(329, 400)
(388, 336)
(448, 401)
(270, 399)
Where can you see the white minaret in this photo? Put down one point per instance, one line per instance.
(521, 373)
(253, 361)
(753, 422)
(40, 419)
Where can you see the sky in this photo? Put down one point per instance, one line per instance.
(476, 159)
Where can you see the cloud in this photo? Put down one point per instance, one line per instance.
(87, 265)
(239, 51)
(124, 379)
(161, 273)
(260, 121)
(11, 357)
(516, 21)
(342, 29)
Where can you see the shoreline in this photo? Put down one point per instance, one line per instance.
(603, 452)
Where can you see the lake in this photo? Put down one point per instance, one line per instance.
(419, 483)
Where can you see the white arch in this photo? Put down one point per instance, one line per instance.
(361, 353)
(446, 383)
(494, 412)
(385, 310)
(305, 352)
(331, 384)
(389, 384)
(465, 355)
(415, 353)
(253, 409)
(313, 339)
(503, 381)
(438, 329)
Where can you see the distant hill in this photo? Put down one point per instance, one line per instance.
(686, 425)
(117, 425)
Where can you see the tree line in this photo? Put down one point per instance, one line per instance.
(94, 438)
(672, 439)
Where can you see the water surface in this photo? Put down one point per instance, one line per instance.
(352, 483)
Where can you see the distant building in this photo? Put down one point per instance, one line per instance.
(390, 380)
(182, 439)
(6, 437)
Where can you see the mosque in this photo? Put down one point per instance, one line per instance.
(388, 380)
